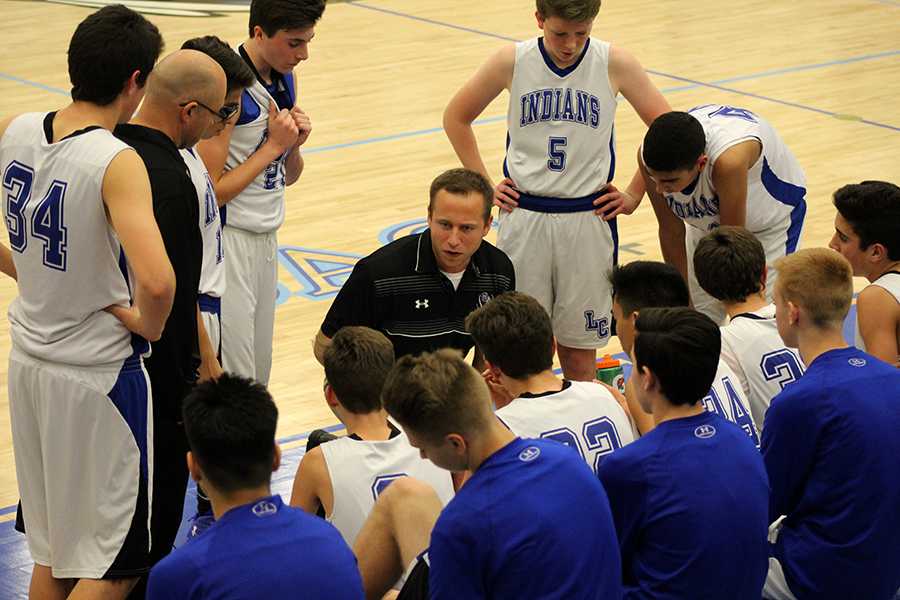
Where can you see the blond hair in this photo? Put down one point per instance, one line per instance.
(437, 393)
(818, 280)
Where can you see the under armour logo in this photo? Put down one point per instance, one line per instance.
(529, 454)
(264, 509)
(705, 431)
(422, 303)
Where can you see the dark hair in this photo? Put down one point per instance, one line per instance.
(514, 332)
(646, 284)
(729, 263)
(275, 15)
(357, 362)
(230, 426)
(437, 393)
(873, 210)
(570, 10)
(106, 49)
(237, 73)
(463, 182)
(674, 142)
(681, 347)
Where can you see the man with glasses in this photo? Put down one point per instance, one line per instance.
(212, 273)
(184, 99)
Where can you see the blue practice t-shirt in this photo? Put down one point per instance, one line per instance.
(260, 550)
(690, 502)
(831, 444)
(532, 522)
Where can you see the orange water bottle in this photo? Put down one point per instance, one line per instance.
(610, 372)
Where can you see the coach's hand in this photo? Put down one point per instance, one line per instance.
(304, 126)
(614, 202)
(505, 195)
(283, 130)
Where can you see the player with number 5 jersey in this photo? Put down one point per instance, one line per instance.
(557, 202)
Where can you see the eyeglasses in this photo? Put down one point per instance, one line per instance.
(224, 113)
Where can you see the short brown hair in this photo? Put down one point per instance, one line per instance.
(463, 182)
(437, 393)
(729, 263)
(514, 332)
(820, 281)
(357, 362)
(570, 10)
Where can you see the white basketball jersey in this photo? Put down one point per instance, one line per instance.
(361, 470)
(560, 122)
(69, 260)
(260, 206)
(726, 399)
(583, 415)
(212, 273)
(752, 348)
(889, 281)
(776, 183)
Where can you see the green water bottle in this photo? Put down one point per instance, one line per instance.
(610, 372)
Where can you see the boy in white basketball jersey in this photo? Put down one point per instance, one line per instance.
(721, 165)
(251, 163)
(649, 284)
(730, 265)
(95, 286)
(514, 332)
(557, 203)
(344, 477)
(867, 233)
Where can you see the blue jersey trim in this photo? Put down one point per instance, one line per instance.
(129, 395)
(546, 204)
(250, 110)
(552, 65)
(210, 304)
(614, 230)
(790, 194)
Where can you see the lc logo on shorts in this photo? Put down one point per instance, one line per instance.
(529, 454)
(704, 432)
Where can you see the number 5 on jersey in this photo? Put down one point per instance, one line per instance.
(556, 150)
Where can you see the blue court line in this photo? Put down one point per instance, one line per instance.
(431, 21)
(694, 83)
(27, 82)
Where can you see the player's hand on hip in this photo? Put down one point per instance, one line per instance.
(505, 195)
(130, 316)
(613, 202)
(304, 126)
(282, 128)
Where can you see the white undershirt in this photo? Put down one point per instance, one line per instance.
(454, 278)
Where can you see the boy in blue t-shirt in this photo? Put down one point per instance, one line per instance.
(258, 547)
(532, 521)
(831, 444)
(690, 498)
